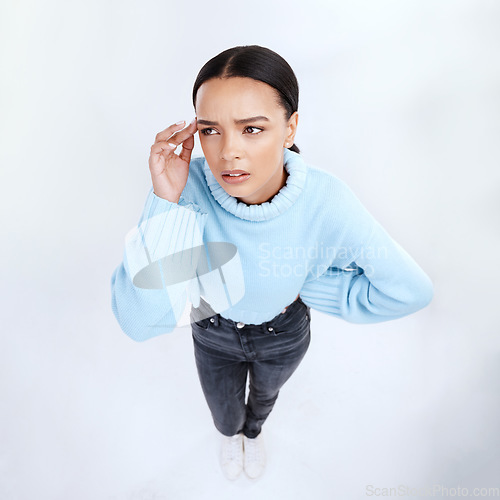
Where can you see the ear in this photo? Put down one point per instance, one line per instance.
(291, 129)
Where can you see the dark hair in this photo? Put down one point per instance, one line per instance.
(259, 63)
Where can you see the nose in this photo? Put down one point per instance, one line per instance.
(231, 148)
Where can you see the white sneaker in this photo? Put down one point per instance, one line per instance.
(231, 455)
(255, 456)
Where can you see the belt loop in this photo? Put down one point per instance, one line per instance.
(216, 319)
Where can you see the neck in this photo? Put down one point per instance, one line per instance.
(269, 193)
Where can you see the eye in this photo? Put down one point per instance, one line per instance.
(206, 131)
(250, 130)
(254, 128)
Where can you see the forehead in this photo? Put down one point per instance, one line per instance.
(242, 96)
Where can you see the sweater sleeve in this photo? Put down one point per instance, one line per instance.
(149, 289)
(380, 282)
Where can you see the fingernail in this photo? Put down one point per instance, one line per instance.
(180, 123)
(172, 145)
(193, 120)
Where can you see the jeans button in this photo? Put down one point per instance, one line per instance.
(240, 324)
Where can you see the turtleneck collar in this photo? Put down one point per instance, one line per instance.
(281, 201)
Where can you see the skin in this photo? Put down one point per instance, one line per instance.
(256, 147)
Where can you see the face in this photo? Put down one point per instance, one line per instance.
(242, 126)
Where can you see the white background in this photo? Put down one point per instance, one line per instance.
(401, 99)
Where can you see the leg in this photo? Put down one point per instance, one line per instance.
(266, 380)
(223, 381)
(279, 359)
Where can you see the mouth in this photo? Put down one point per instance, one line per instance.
(234, 176)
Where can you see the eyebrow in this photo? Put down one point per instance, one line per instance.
(237, 122)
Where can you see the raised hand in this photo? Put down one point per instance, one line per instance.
(169, 171)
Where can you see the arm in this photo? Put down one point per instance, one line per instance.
(150, 287)
(383, 281)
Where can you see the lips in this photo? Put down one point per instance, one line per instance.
(227, 172)
(237, 177)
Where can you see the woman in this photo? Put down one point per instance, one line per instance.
(255, 238)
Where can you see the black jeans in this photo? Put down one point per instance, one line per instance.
(225, 351)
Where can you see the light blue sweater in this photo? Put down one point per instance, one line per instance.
(248, 262)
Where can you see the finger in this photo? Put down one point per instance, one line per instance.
(165, 134)
(182, 135)
(187, 149)
(163, 146)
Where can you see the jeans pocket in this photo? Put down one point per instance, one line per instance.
(201, 323)
(292, 322)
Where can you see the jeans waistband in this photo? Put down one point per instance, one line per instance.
(205, 311)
